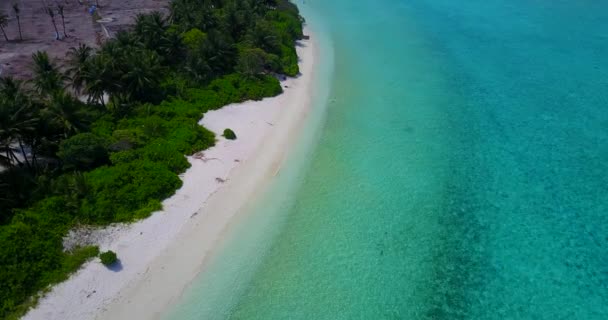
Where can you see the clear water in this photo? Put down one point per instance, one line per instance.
(459, 171)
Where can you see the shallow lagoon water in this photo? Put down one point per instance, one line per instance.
(455, 167)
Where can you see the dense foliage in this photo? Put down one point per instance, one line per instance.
(116, 156)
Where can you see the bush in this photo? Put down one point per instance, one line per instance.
(83, 151)
(234, 88)
(118, 193)
(160, 151)
(229, 134)
(31, 254)
(108, 258)
(126, 139)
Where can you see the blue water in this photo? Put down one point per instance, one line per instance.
(456, 167)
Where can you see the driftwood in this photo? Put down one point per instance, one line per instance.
(201, 156)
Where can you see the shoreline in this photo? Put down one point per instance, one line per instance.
(160, 255)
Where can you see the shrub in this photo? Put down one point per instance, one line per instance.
(31, 255)
(187, 136)
(117, 193)
(178, 108)
(83, 151)
(125, 139)
(108, 258)
(229, 134)
(234, 88)
(160, 151)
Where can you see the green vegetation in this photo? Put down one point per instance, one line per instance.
(229, 134)
(108, 258)
(117, 156)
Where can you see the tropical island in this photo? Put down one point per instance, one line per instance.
(101, 138)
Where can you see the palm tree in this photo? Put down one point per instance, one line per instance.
(17, 11)
(220, 52)
(47, 78)
(65, 113)
(150, 28)
(51, 14)
(60, 11)
(96, 78)
(16, 121)
(264, 36)
(172, 48)
(3, 24)
(142, 77)
(78, 60)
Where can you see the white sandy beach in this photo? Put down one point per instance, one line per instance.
(162, 254)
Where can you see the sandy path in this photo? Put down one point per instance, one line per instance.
(162, 254)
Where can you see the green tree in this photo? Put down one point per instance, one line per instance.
(150, 29)
(17, 119)
(142, 79)
(47, 78)
(253, 62)
(97, 78)
(194, 38)
(78, 61)
(65, 113)
(264, 36)
(220, 53)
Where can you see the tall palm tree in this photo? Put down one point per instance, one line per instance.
(78, 60)
(47, 79)
(65, 113)
(51, 14)
(97, 79)
(150, 28)
(142, 77)
(17, 11)
(17, 119)
(3, 23)
(60, 10)
(221, 53)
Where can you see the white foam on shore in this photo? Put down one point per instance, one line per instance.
(160, 255)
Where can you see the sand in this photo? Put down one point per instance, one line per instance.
(161, 255)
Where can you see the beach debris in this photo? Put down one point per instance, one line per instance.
(201, 156)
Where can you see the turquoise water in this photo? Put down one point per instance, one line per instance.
(456, 167)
